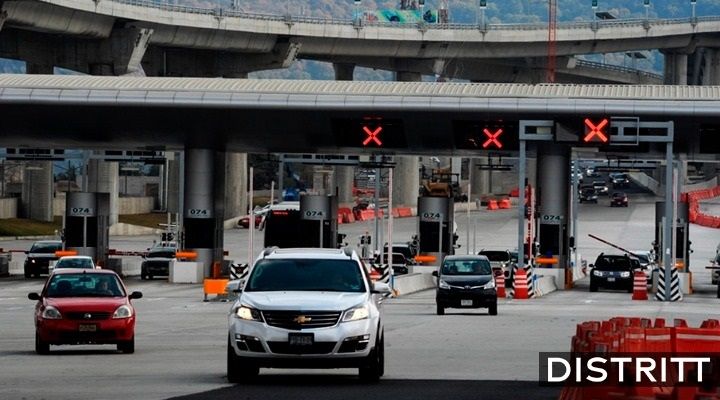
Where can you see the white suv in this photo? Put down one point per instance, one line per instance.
(307, 308)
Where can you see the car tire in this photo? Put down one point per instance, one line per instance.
(718, 292)
(28, 274)
(127, 347)
(440, 310)
(493, 309)
(593, 287)
(41, 347)
(375, 367)
(236, 371)
(143, 276)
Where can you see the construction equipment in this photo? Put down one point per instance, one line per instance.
(443, 183)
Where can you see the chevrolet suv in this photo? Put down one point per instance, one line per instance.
(307, 308)
(613, 271)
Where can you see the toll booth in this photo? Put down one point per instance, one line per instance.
(682, 235)
(318, 215)
(435, 227)
(87, 224)
(554, 249)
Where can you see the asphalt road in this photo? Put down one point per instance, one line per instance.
(180, 340)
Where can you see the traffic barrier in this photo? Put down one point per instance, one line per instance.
(65, 253)
(424, 258)
(504, 204)
(640, 286)
(383, 271)
(500, 285)
(492, 205)
(405, 212)
(530, 274)
(520, 285)
(186, 255)
(395, 213)
(238, 271)
(214, 286)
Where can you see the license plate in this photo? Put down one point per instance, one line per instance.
(301, 339)
(611, 279)
(466, 303)
(87, 328)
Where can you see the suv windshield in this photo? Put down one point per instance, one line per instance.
(45, 248)
(613, 263)
(273, 275)
(84, 285)
(495, 255)
(466, 267)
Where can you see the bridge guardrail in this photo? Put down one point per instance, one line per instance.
(224, 12)
(619, 68)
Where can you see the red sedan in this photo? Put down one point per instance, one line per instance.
(81, 306)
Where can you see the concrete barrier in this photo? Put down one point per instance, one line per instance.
(644, 180)
(549, 279)
(411, 283)
(544, 285)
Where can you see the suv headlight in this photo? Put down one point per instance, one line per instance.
(51, 312)
(248, 314)
(123, 312)
(597, 273)
(443, 285)
(356, 313)
(490, 284)
(625, 274)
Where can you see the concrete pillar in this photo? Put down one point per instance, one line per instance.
(480, 178)
(103, 177)
(37, 191)
(707, 73)
(553, 196)
(715, 63)
(407, 76)
(236, 190)
(38, 69)
(344, 181)
(681, 71)
(203, 204)
(669, 68)
(173, 185)
(406, 180)
(344, 71)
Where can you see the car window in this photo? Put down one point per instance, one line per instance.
(45, 248)
(84, 285)
(305, 275)
(466, 267)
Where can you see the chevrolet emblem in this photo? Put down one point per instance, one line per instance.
(87, 316)
(301, 319)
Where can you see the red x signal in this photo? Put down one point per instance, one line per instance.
(492, 138)
(596, 133)
(372, 136)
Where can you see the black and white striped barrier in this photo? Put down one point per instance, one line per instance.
(531, 279)
(675, 293)
(238, 271)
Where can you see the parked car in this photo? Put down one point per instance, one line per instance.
(618, 199)
(84, 306)
(307, 308)
(259, 213)
(588, 195)
(612, 271)
(39, 257)
(157, 261)
(465, 282)
(79, 262)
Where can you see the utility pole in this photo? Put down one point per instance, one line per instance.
(552, 44)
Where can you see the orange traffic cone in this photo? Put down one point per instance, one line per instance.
(521, 285)
(500, 285)
(640, 286)
(374, 274)
(492, 205)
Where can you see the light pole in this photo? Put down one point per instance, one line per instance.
(646, 4)
(483, 6)
(693, 3)
(357, 11)
(594, 9)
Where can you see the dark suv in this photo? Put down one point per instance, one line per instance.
(157, 262)
(39, 257)
(612, 271)
(465, 282)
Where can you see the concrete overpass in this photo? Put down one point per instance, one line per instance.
(116, 37)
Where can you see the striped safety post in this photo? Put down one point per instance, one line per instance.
(640, 286)
(238, 271)
(520, 285)
(530, 273)
(500, 285)
(674, 293)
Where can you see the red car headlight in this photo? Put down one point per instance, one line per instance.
(123, 312)
(51, 312)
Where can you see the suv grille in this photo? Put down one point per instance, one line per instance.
(81, 315)
(316, 348)
(294, 319)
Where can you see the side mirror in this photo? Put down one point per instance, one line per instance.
(381, 287)
(26, 252)
(591, 266)
(34, 296)
(571, 242)
(434, 273)
(135, 295)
